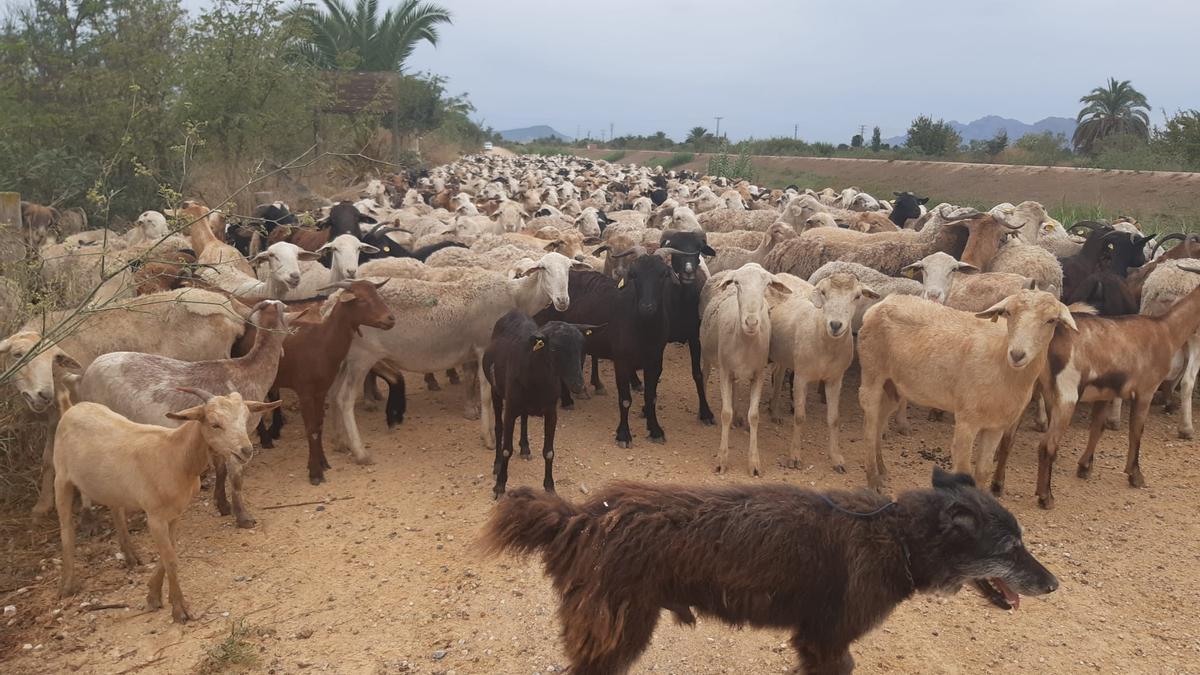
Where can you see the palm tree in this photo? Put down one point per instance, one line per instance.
(1115, 109)
(696, 135)
(357, 38)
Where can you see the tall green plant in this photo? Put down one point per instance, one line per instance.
(345, 37)
(1116, 108)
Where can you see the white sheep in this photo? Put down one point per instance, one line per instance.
(960, 285)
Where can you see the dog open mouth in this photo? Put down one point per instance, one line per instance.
(999, 593)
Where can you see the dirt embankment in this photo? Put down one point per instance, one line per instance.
(1148, 195)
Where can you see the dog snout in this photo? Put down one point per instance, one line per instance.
(1052, 584)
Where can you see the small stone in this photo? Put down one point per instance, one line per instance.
(27, 647)
(320, 507)
(10, 610)
(439, 655)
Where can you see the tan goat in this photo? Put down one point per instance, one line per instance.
(983, 372)
(128, 466)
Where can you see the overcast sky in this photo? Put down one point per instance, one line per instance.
(827, 65)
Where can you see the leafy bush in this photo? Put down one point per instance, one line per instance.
(614, 156)
(733, 167)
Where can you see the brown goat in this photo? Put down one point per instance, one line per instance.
(313, 354)
(1125, 357)
(827, 566)
(37, 221)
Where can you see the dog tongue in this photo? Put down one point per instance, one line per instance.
(1010, 595)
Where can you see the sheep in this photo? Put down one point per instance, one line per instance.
(728, 220)
(914, 350)
(189, 325)
(128, 466)
(748, 239)
(959, 285)
(731, 257)
(971, 236)
(811, 336)
(446, 325)
(283, 272)
(1029, 261)
(1103, 360)
(735, 331)
(525, 365)
(141, 387)
(881, 283)
(150, 227)
(498, 259)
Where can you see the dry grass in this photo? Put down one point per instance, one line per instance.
(234, 653)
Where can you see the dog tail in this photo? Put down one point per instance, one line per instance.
(525, 521)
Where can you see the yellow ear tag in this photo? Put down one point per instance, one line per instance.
(538, 345)
(907, 273)
(621, 283)
(387, 249)
(587, 332)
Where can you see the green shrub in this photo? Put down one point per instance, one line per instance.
(667, 163)
(614, 156)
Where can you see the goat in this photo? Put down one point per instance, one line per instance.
(525, 365)
(771, 555)
(1107, 358)
(312, 355)
(685, 249)
(128, 466)
(914, 350)
(141, 387)
(1104, 249)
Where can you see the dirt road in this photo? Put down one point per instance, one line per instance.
(386, 580)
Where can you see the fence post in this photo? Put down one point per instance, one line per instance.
(12, 235)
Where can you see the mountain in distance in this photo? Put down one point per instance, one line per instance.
(986, 128)
(532, 133)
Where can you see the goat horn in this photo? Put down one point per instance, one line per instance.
(381, 283)
(668, 249)
(343, 284)
(1089, 224)
(970, 215)
(196, 391)
(1174, 236)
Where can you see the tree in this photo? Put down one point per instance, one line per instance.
(356, 38)
(1180, 137)
(998, 143)
(876, 140)
(856, 141)
(932, 138)
(696, 135)
(1117, 108)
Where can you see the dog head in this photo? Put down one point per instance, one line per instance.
(977, 540)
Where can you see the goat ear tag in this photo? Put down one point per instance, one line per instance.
(908, 273)
(387, 249)
(538, 345)
(621, 283)
(587, 332)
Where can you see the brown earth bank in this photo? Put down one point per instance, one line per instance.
(385, 577)
(1147, 195)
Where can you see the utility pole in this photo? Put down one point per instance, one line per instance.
(862, 130)
(795, 132)
(718, 118)
(576, 132)
(610, 131)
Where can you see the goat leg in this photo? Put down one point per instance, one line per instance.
(525, 438)
(127, 550)
(1137, 424)
(397, 402)
(551, 420)
(219, 496)
(596, 384)
(1099, 421)
(452, 375)
(240, 514)
(624, 402)
(312, 410)
(705, 413)
(431, 382)
(650, 407)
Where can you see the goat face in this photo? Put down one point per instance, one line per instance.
(35, 379)
(751, 283)
(649, 279)
(839, 297)
(1031, 318)
(223, 422)
(564, 346)
(685, 249)
(907, 206)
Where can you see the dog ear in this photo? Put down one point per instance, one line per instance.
(944, 480)
(959, 517)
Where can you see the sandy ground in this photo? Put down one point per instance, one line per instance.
(1149, 195)
(384, 577)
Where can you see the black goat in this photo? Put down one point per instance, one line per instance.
(525, 365)
(1105, 249)
(263, 221)
(388, 248)
(685, 248)
(906, 206)
(635, 311)
(1107, 292)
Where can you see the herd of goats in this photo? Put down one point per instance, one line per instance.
(179, 334)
